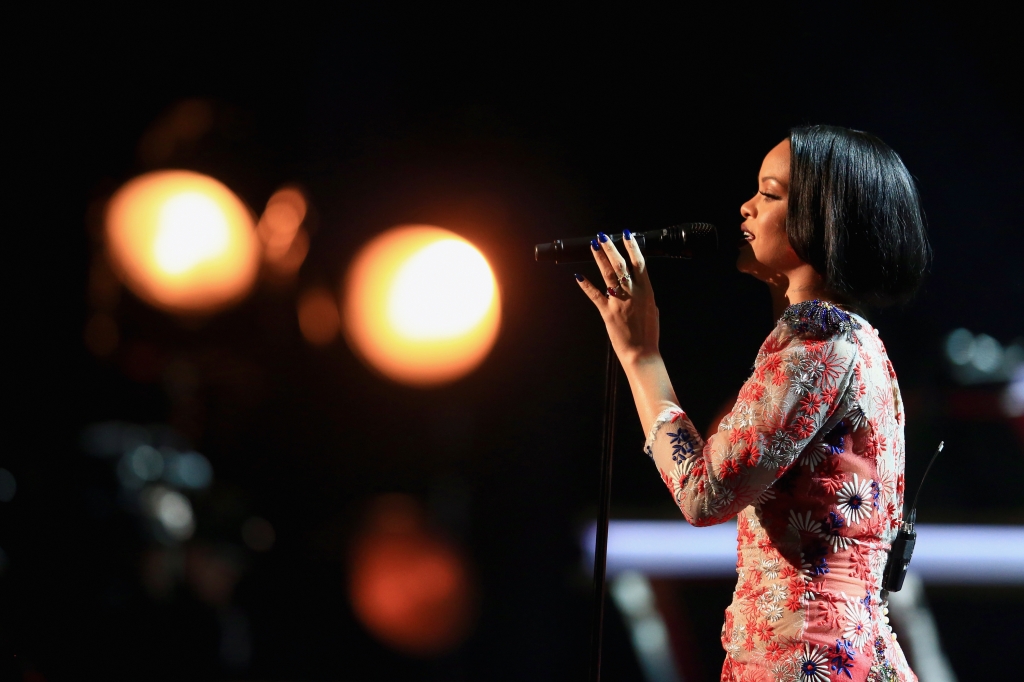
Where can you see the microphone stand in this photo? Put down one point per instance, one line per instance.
(604, 506)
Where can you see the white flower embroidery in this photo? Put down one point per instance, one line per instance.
(780, 450)
(777, 593)
(839, 542)
(858, 624)
(742, 416)
(770, 403)
(771, 568)
(721, 498)
(804, 523)
(854, 499)
(856, 417)
(815, 454)
(813, 664)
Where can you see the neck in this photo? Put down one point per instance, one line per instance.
(796, 287)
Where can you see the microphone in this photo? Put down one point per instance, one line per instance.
(685, 240)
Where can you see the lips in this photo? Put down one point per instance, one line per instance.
(745, 237)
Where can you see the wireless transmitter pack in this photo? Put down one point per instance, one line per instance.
(903, 546)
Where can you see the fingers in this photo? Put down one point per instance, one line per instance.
(611, 264)
(636, 258)
(596, 295)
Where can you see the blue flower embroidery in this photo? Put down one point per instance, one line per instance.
(819, 318)
(682, 445)
(842, 660)
(834, 441)
(834, 523)
(816, 561)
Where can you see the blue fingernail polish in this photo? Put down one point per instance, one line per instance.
(593, 245)
(579, 278)
(626, 234)
(602, 236)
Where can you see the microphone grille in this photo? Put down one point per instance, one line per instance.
(698, 238)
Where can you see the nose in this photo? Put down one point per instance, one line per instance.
(747, 209)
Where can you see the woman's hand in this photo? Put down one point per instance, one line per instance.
(626, 303)
(631, 318)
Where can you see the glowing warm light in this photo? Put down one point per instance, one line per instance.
(182, 241)
(285, 242)
(421, 305)
(410, 588)
(318, 317)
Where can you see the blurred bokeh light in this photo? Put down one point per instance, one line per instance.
(421, 305)
(318, 316)
(409, 587)
(285, 242)
(182, 241)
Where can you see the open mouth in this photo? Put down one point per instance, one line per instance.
(745, 237)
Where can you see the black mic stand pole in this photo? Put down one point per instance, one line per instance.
(611, 376)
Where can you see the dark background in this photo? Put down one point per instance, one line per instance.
(511, 128)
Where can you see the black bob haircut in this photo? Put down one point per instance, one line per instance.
(855, 216)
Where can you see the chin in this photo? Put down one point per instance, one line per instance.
(746, 262)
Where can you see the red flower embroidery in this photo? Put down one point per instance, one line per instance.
(729, 468)
(751, 391)
(811, 403)
(803, 427)
(750, 454)
(773, 344)
(773, 652)
(794, 598)
(859, 562)
(830, 611)
(666, 479)
(830, 365)
(743, 532)
(814, 347)
(763, 630)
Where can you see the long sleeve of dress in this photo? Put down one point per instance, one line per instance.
(790, 398)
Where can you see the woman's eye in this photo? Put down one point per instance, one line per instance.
(769, 196)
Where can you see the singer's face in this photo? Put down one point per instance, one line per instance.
(765, 251)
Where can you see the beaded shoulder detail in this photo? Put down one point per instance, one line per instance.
(819, 318)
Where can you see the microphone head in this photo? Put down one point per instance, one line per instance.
(681, 241)
(700, 238)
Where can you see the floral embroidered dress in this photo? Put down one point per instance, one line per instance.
(810, 463)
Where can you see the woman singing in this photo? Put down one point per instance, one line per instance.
(810, 459)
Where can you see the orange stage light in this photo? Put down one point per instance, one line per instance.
(409, 587)
(318, 316)
(421, 305)
(285, 242)
(182, 241)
